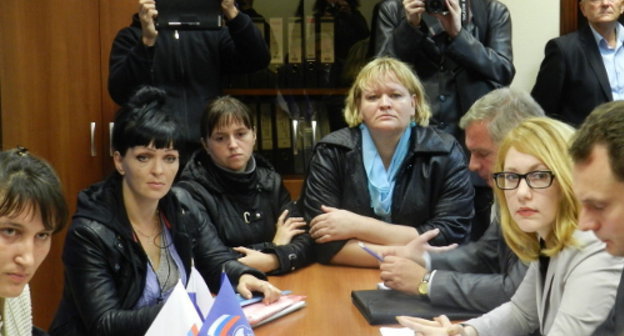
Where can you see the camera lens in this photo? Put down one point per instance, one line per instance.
(435, 6)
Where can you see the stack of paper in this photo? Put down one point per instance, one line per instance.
(387, 331)
(259, 313)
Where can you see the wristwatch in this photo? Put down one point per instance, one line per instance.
(423, 288)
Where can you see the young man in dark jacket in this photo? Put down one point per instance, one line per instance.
(188, 65)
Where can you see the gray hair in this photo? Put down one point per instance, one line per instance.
(503, 109)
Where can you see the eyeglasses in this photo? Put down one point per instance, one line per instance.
(538, 179)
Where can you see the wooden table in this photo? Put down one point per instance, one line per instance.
(329, 309)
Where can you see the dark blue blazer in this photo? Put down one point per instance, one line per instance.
(572, 79)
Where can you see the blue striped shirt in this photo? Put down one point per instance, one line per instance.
(613, 60)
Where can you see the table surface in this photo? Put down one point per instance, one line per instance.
(329, 309)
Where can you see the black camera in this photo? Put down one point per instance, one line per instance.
(435, 6)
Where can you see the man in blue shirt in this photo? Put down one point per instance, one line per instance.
(584, 69)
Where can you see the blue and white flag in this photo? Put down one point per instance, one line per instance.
(226, 318)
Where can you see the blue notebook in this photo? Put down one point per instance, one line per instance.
(246, 302)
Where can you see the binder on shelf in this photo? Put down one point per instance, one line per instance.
(310, 71)
(265, 130)
(296, 123)
(276, 49)
(327, 55)
(283, 147)
(322, 117)
(306, 132)
(294, 69)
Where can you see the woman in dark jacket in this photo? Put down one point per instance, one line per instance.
(132, 239)
(242, 193)
(387, 178)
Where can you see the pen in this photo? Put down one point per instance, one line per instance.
(371, 252)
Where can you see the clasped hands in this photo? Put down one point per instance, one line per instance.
(285, 230)
(333, 224)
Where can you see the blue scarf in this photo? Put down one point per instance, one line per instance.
(381, 182)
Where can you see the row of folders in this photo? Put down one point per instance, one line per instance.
(287, 128)
(302, 54)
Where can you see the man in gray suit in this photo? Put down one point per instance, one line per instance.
(483, 274)
(598, 155)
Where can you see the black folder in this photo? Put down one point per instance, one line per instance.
(382, 307)
(189, 14)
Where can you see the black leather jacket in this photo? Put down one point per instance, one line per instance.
(455, 72)
(105, 267)
(432, 188)
(245, 209)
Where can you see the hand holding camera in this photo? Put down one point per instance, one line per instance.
(413, 11)
(451, 19)
(448, 12)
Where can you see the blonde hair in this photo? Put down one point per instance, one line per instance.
(385, 69)
(547, 140)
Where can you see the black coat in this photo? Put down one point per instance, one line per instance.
(261, 197)
(454, 73)
(572, 79)
(432, 189)
(188, 68)
(105, 267)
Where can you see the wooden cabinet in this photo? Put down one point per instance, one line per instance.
(54, 101)
(51, 95)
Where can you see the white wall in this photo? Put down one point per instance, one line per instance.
(534, 22)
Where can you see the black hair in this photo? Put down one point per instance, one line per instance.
(224, 111)
(145, 121)
(28, 183)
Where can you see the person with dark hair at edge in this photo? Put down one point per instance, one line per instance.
(32, 209)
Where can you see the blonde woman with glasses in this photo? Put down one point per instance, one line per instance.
(571, 282)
